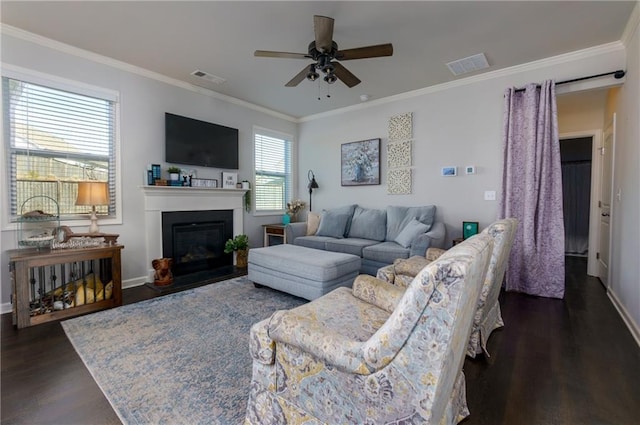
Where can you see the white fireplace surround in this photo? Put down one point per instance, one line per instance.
(159, 199)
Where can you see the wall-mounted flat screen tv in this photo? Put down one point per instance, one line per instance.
(193, 142)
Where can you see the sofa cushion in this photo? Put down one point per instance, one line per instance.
(385, 252)
(368, 224)
(347, 209)
(313, 222)
(349, 245)
(410, 231)
(332, 224)
(399, 217)
(316, 242)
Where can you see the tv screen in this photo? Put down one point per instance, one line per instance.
(192, 142)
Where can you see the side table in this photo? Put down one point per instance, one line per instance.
(274, 231)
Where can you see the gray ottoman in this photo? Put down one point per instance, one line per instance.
(305, 272)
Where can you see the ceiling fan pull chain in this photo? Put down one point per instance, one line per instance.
(319, 89)
(328, 88)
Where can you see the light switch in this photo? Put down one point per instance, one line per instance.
(489, 195)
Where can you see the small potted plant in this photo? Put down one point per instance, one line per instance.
(174, 173)
(240, 246)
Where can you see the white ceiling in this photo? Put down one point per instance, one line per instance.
(174, 38)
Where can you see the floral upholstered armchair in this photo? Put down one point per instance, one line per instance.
(488, 317)
(374, 354)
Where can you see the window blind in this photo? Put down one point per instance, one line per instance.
(56, 138)
(272, 172)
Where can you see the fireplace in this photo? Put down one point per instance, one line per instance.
(195, 240)
(159, 200)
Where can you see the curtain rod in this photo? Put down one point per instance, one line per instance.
(616, 74)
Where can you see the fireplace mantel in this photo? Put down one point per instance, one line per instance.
(158, 199)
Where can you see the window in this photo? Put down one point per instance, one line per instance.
(273, 184)
(54, 139)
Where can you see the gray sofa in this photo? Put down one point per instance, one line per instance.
(378, 236)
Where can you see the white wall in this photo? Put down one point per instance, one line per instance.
(625, 251)
(143, 102)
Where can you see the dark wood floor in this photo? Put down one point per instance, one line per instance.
(568, 361)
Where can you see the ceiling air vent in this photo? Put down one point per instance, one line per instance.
(470, 64)
(209, 77)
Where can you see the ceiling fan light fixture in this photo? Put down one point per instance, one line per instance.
(330, 78)
(312, 74)
(328, 68)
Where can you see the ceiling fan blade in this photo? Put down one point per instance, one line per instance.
(365, 52)
(345, 75)
(323, 27)
(270, 54)
(298, 78)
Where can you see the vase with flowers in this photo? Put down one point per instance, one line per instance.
(293, 208)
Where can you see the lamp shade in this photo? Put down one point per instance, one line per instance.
(313, 184)
(92, 193)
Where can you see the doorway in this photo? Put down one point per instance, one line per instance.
(576, 155)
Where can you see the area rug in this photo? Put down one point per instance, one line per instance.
(178, 359)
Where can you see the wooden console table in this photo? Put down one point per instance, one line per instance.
(36, 275)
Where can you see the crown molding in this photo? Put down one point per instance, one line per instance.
(123, 66)
(542, 63)
(632, 25)
(517, 69)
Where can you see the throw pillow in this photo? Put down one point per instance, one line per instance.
(399, 217)
(313, 221)
(368, 224)
(332, 224)
(410, 231)
(347, 209)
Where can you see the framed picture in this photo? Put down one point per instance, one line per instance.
(449, 171)
(469, 228)
(360, 163)
(470, 169)
(229, 180)
(204, 182)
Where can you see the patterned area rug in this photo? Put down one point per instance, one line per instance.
(178, 359)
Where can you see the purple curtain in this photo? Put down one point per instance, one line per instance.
(532, 191)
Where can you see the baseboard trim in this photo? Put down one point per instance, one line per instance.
(5, 308)
(132, 283)
(626, 317)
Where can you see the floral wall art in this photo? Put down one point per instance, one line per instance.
(399, 159)
(360, 163)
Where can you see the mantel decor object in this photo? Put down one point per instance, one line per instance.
(229, 180)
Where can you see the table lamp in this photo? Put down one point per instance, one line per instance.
(93, 193)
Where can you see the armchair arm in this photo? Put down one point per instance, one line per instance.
(294, 230)
(377, 292)
(261, 346)
(410, 266)
(312, 337)
(434, 237)
(434, 253)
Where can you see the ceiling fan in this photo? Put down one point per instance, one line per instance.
(324, 52)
